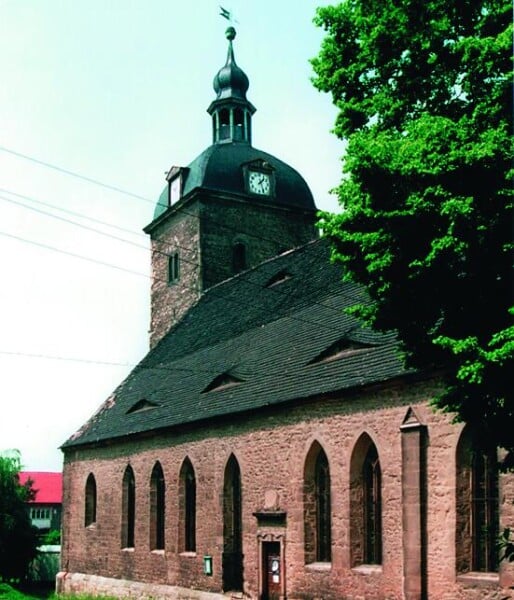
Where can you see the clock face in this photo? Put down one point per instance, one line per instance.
(259, 183)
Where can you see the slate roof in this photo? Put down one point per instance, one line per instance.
(220, 168)
(263, 342)
(48, 486)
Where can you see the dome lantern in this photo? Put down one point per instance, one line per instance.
(231, 111)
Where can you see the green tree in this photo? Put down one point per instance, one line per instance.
(18, 538)
(423, 89)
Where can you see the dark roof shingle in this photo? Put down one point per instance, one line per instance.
(264, 336)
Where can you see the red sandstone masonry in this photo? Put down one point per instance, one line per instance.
(271, 451)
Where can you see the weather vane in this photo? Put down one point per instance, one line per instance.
(229, 15)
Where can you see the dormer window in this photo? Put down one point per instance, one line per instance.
(175, 177)
(222, 382)
(340, 349)
(141, 405)
(278, 278)
(173, 268)
(175, 190)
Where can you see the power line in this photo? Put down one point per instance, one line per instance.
(135, 244)
(103, 362)
(278, 243)
(154, 278)
(70, 222)
(103, 263)
(72, 254)
(73, 213)
(105, 234)
(131, 271)
(74, 174)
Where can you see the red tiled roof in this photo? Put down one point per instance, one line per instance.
(48, 486)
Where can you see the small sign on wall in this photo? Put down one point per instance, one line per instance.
(207, 564)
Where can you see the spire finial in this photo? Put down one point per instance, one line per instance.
(230, 33)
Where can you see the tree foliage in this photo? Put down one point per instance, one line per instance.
(423, 90)
(18, 539)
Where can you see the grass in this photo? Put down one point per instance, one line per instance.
(8, 592)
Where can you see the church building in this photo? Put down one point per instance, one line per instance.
(268, 446)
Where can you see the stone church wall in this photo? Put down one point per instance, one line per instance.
(271, 450)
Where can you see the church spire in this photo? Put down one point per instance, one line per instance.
(231, 111)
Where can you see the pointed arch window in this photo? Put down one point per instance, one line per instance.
(90, 501)
(238, 257)
(232, 560)
(372, 484)
(365, 503)
(157, 508)
(128, 508)
(317, 506)
(477, 507)
(187, 507)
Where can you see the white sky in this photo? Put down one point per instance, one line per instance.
(117, 91)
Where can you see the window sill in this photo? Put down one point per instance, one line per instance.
(131, 549)
(479, 579)
(319, 566)
(157, 551)
(368, 569)
(188, 554)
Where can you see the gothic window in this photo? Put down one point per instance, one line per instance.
(232, 560)
(238, 257)
(173, 268)
(187, 507)
(157, 508)
(371, 478)
(90, 501)
(317, 506)
(365, 503)
(128, 508)
(477, 507)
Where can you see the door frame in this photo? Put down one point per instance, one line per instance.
(263, 539)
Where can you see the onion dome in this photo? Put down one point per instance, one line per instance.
(230, 81)
(230, 165)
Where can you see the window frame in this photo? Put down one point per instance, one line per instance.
(157, 508)
(90, 501)
(187, 507)
(317, 505)
(173, 268)
(477, 518)
(128, 510)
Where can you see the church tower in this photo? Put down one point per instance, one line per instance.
(231, 208)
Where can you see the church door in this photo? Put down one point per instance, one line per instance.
(232, 528)
(271, 570)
